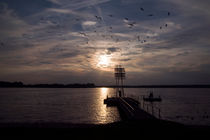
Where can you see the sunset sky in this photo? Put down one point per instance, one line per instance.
(80, 41)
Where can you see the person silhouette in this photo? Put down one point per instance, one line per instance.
(120, 93)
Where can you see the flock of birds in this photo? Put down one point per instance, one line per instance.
(130, 24)
(126, 20)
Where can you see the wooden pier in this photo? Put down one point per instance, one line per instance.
(129, 108)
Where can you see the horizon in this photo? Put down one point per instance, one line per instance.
(162, 42)
(95, 85)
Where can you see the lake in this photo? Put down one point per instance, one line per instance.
(85, 105)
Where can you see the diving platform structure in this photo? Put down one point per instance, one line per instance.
(129, 108)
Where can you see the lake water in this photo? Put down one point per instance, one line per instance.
(85, 105)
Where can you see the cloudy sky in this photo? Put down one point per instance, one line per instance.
(80, 41)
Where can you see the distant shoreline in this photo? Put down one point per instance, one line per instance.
(4, 84)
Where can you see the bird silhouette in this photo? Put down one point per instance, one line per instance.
(150, 15)
(126, 19)
(142, 9)
(166, 25)
(83, 33)
(138, 38)
(131, 24)
(110, 15)
(169, 13)
(98, 18)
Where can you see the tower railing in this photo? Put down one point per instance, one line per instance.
(119, 77)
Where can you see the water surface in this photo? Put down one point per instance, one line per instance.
(85, 105)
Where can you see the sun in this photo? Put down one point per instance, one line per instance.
(104, 61)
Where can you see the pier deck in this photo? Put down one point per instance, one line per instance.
(129, 108)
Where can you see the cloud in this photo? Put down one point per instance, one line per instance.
(89, 23)
(11, 24)
(66, 37)
(65, 11)
(55, 1)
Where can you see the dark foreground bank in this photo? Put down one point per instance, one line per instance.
(118, 130)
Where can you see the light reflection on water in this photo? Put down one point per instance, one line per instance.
(104, 114)
(56, 105)
(85, 105)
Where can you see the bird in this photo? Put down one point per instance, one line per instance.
(131, 24)
(98, 18)
(83, 34)
(150, 15)
(138, 38)
(168, 13)
(126, 18)
(142, 9)
(166, 25)
(110, 15)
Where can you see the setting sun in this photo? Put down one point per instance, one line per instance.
(104, 61)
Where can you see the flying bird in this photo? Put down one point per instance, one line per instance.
(150, 15)
(131, 24)
(142, 9)
(168, 13)
(126, 19)
(98, 18)
(83, 33)
(138, 38)
(110, 15)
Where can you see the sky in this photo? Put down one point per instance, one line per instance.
(81, 41)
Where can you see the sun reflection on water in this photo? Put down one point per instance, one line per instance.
(101, 113)
(104, 92)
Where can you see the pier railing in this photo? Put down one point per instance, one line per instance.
(151, 109)
(127, 107)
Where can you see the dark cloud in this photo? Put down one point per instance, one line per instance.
(28, 7)
(112, 50)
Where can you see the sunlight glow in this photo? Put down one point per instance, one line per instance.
(104, 91)
(104, 61)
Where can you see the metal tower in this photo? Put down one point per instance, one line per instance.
(119, 77)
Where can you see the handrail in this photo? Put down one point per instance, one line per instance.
(127, 104)
(153, 109)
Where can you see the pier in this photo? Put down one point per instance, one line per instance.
(129, 108)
